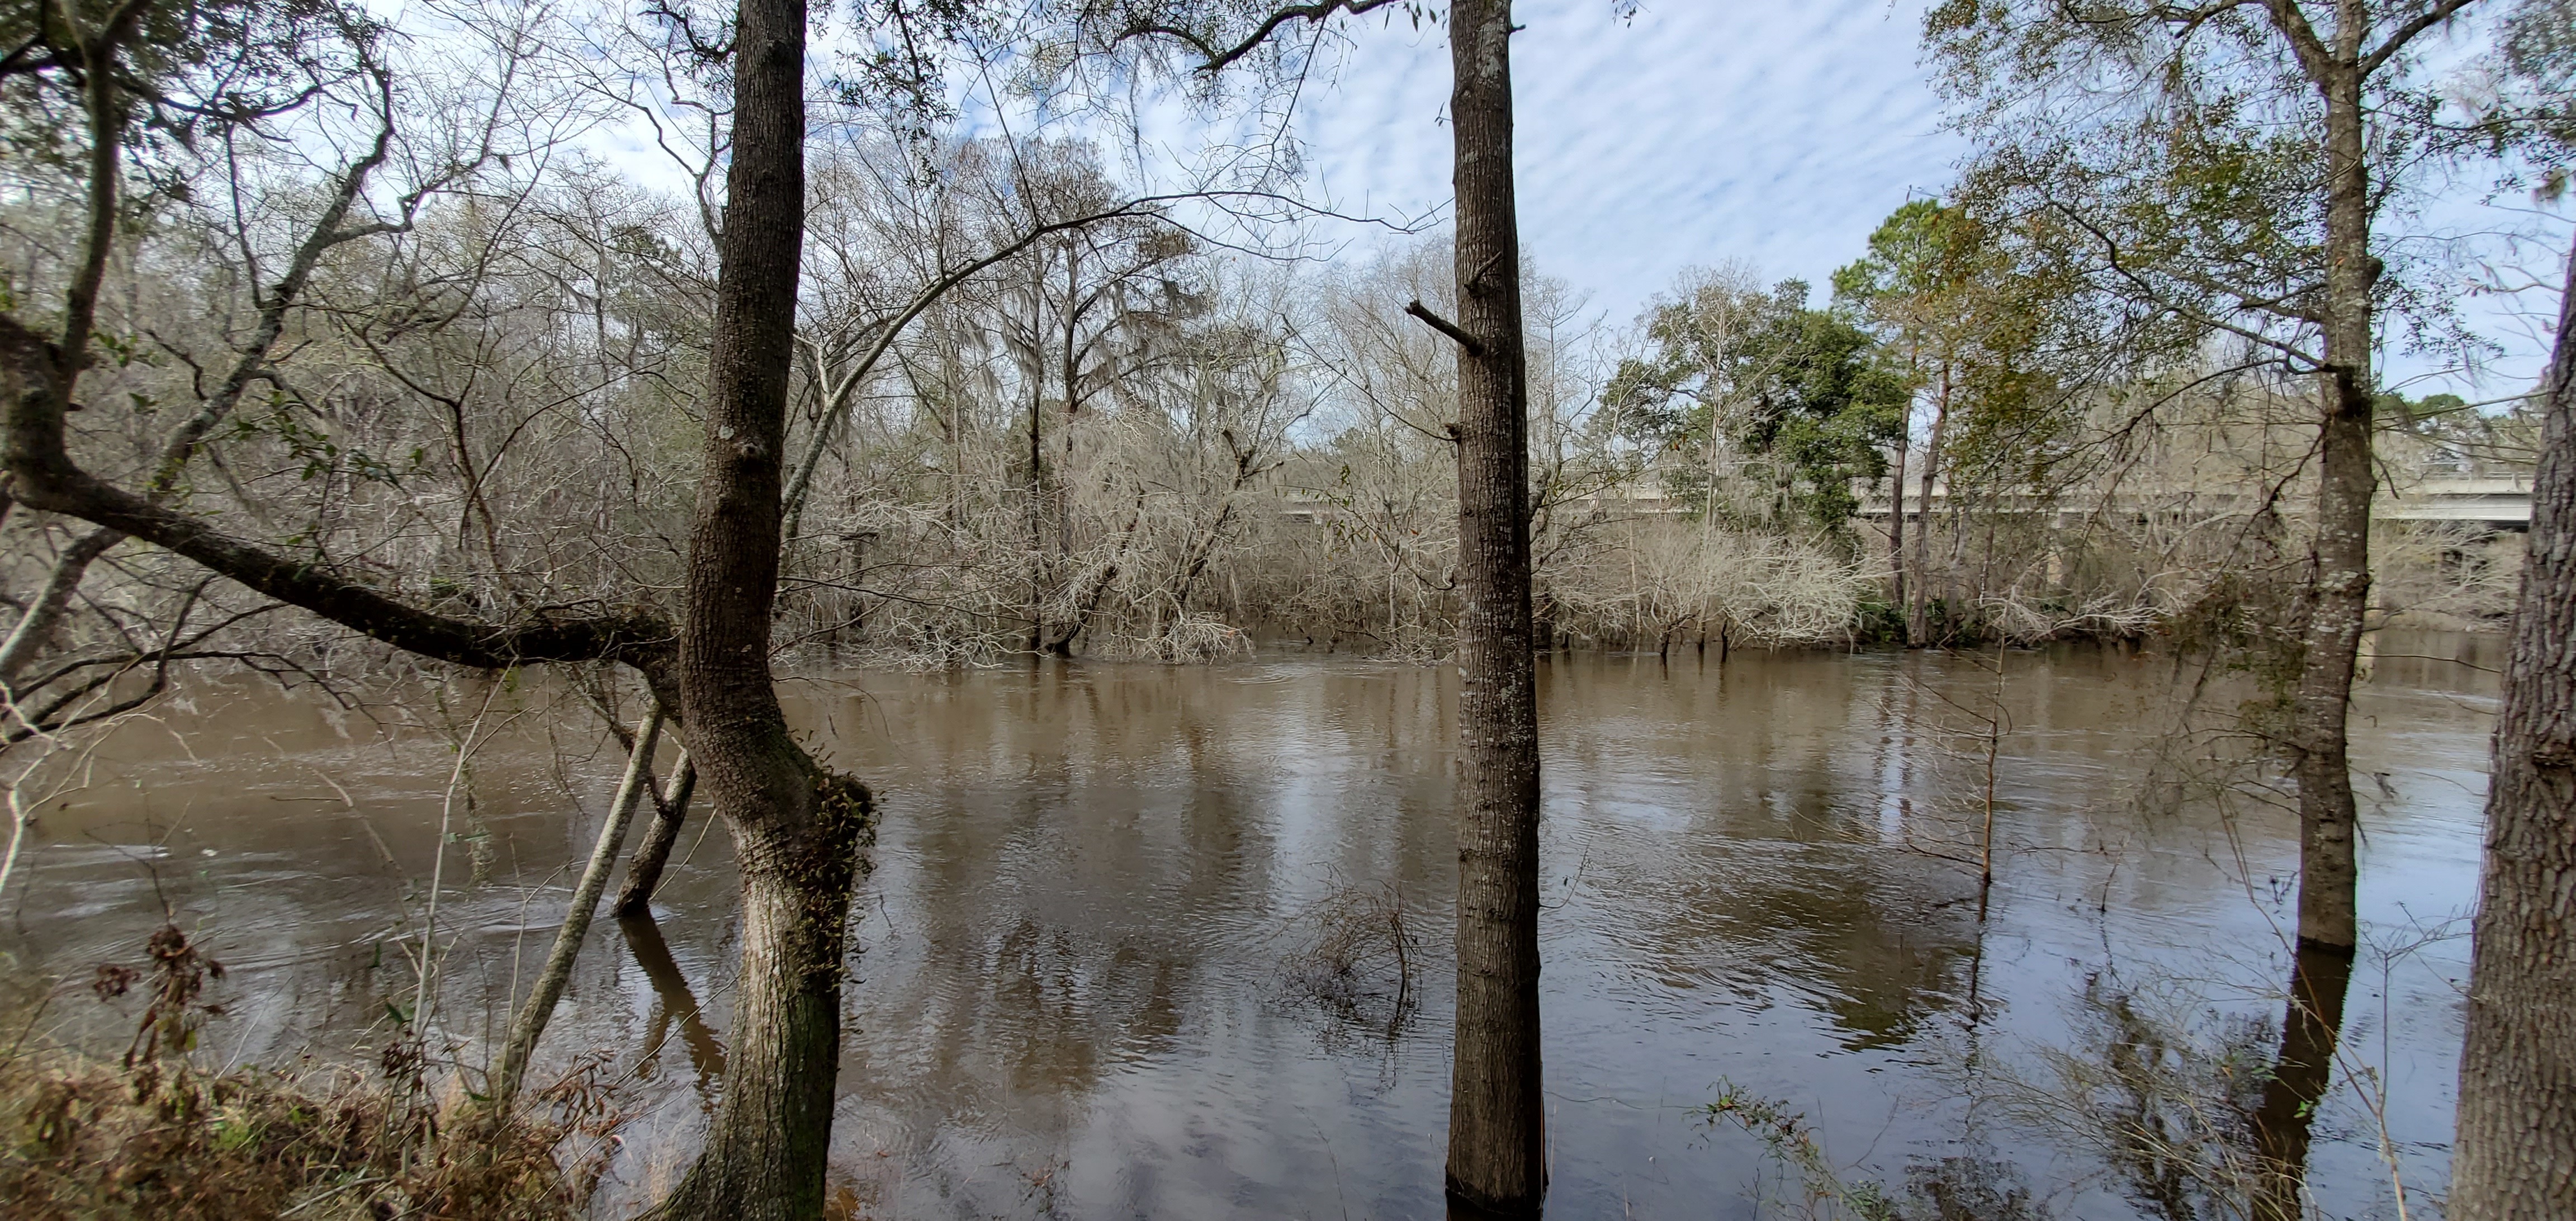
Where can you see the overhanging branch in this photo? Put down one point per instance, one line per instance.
(1217, 61)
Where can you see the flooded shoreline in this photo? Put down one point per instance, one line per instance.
(1074, 995)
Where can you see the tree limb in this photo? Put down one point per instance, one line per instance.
(1474, 346)
(37, 380)
(2314, 58)
(2406, 33)
(1216, 61)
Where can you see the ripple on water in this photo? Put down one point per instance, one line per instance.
(1070, 986)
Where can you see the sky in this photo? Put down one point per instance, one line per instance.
(1702, 131)
(1699, 132)
(1694, 133)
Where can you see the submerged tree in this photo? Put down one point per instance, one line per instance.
(1497, 1112)
(1497, 1142)
(799, 827)
(1970, 324)
(2227, 166)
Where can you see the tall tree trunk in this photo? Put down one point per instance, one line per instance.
(2339, 573)
(798, 829)
(2515, 1157)
(1496, 1118)
(1896, 537)
(1917, 629)
(1037, 502)
(2310, 1027)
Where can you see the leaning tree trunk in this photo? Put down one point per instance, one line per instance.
(2515, 1156)
(2339, 576)
(670, 813)
(798, 829)
(1496, 1122)
(538, 1010)
(45, 611)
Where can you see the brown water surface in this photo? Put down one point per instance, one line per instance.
(1086, 985)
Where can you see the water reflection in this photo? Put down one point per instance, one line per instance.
(2285, 1122)
(1070, 990)
(674, 1004)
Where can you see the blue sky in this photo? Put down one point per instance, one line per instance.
(1698, 132)
(1694, 133)
(1703, 131)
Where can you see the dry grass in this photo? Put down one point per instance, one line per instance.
(151, 1134)
(1357, 958)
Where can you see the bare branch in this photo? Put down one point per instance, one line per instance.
(1217, 61)
(1474, 346)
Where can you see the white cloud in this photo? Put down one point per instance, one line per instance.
(1704, 131)
(1698, 132)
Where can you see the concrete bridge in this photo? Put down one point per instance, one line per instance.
(2495, 502)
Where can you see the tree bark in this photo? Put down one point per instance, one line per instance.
(670, 812)
(1497, 1154)
(2339, 566)
(529, 1025)
(798, 829)
(1917, 629)
(2515, 1157)
(1895, 540)
(1037, 501)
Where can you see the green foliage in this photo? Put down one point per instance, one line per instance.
(1991, 338)
(317, 454)
(1924, 255)
(1807, 394)
(2532, 109)
(2172, 165)
(1877, 621)
(1794, 1143)
(186, 70)
(2449, 432)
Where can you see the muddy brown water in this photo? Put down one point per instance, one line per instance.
(1087, 985)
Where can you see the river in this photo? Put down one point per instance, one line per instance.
(1091, 984)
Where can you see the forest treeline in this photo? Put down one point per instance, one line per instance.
(1123, 439)
(330, 338)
